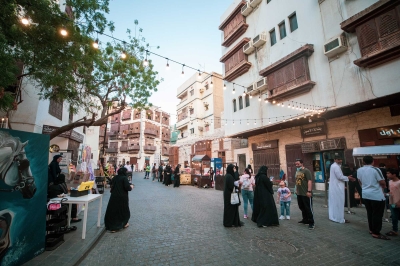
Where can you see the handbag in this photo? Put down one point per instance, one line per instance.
(234, 197)
(55, 205)
(172, 177)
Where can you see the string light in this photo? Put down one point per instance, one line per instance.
(273, 102)
(247, 122)
(224, 86)
(25, 21)
(255, 122)
(233, 91)
(63, 32)
(96, 44)
(183, 73)
(199, 76)
(251, 96)
(145, 62)
(167, 66)
(123, 55)
(244, 93)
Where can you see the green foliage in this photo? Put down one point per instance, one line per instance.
(68, 68)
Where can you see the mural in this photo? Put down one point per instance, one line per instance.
(23, 191)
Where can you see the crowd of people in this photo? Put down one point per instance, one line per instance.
(376, 185)
(257, 191)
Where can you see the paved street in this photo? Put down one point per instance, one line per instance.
(183, 226)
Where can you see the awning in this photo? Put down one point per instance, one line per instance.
(377, 150)
(199, 158)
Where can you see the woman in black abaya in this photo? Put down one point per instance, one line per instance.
(117, 213)
(231, 212)
(177, 176)
(167, 175)
(264, 208)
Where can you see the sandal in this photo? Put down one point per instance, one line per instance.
(126, 226)
(392, 233)
(381, 237)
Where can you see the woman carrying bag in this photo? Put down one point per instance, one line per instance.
(231, 211)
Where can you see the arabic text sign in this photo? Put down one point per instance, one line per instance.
(313, 131)
(388, 132)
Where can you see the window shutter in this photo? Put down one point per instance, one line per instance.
(388, 26)
(271, 81)
(368, 37)
(279, 77)
(289, 73)
(299, 68)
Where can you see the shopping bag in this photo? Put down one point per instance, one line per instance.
(234, 197)
(172, 177)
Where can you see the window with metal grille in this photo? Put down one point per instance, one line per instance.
(56, 109)
(293, 22)
(247, 100)
(234, 105)
(282, 30)
(272, 36)
(192, 131)
(240, 103)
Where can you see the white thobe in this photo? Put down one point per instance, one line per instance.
(336, 194)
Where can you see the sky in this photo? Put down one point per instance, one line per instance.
(186, 31)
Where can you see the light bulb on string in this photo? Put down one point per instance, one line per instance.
(259, 98)
(251, 96)
(199, 76)
(269, 121)
(273, 102)
(247, 122)
(244, 93)
(123, 55)
(283, 105)
(211, 84)
(255, 122)
(183, 73)
(224, 86)
(25, 21)
(63, 32)
(96, 44)
(233, 91)
(279, 104)
(167, 66)
(145, 62)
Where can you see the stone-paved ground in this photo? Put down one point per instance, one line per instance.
(183, 226)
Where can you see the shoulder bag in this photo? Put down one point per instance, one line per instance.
(234, 197)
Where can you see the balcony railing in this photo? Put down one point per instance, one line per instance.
(112, 150)
(133, 148)
(133, 132)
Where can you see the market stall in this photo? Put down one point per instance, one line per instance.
(200, 175)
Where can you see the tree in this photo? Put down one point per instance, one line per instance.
(68, 68)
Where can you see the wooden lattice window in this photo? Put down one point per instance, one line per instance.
(56, 108)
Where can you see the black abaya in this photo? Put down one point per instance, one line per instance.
(177, 177)
(167, 176)
(118, 213)
(264, 208)
(231, 212)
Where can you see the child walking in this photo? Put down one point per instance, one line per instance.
(284, 196)
(394, 200)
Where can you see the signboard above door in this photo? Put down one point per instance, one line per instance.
(265, 145)
(317, 130)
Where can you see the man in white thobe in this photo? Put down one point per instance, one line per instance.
(336, 191)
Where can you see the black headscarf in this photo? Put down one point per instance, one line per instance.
(262, 171)
(122, 171)
(229, 170)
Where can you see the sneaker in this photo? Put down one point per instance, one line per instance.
(287, 217)
(311, 226)
(245, 216)
(281, 217)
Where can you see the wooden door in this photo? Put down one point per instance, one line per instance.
(270, 158)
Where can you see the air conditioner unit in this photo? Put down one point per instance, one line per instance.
(260, 39)
(201, 90)
(248, 48)
(254, 3)
(261, 84)
(200, 128)
(335, 46)
(246, 9)
(250, 88)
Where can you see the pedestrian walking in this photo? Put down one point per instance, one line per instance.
(336, 191)
(264, 208)
(304, 194)
(54, 169)
(177, 176)
(284, 198)
(372, 184)
(160, 173)
(231, 211)
(247, 183)
(394, 199)
(154, 171)
(167, 175)
(147, 172)
(118, 213)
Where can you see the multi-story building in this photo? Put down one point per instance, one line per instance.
(136, 137)
(198, 116)
(312, 79)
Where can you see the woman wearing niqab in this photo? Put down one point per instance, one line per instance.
(264, 208)
(231, 212)
(167, 175)
(118, 213)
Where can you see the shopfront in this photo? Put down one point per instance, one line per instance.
(381, 136)
(267, 153)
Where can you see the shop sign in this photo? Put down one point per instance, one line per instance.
(265, 145)
(76, 136)
(313, 131)
(70, 134)
(388, 132)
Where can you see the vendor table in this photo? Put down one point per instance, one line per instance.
(83, 200)
(186, 179)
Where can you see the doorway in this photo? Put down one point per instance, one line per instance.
(329, 159)
(242, 162)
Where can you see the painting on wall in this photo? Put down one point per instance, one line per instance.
(23, 193)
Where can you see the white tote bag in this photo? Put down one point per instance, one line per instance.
(234, 197)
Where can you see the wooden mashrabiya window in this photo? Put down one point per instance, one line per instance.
(235, 61)
(234, 25)
(378, 32)
(290, 76)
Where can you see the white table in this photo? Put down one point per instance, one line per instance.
(83, 200)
